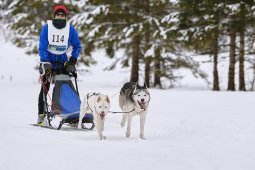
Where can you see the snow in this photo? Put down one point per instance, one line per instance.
(171, 18)
(94, 31)
(185, 129)
(128, 31)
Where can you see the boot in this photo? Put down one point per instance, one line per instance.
(40, 118)
(73, 124)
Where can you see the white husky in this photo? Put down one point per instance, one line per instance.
(134, 100)
(99, 105)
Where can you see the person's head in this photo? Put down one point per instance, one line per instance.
(60, 11)
(59, 16)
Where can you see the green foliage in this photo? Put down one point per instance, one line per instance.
(28, 17)
(112, 25)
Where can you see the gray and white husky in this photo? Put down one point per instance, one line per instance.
(134, 100)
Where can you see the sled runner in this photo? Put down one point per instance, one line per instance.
(65, 104)
(43, 126)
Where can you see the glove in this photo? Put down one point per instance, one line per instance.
(70, 68)
(45, 68)
(70, 65)
(47, 72)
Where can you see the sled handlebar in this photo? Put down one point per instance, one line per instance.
(60, 69)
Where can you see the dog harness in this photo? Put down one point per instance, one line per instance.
(88, 96)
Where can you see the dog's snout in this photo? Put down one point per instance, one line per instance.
(102, 112)
(142, 100)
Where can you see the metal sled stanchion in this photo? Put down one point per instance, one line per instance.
(45, 93)
(75, 79)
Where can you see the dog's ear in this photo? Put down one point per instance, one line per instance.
(136, 86)
(107, 99)
(98, 99)
(145, 85)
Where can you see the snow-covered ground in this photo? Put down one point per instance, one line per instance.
(185, 130)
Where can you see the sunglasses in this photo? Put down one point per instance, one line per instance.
(60, 14)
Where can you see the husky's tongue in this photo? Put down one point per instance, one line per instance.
(102, 116)
(142, 105)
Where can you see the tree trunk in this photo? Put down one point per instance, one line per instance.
(232, 60)
(157, 70)
(253, 81)
(147, 71)
(216, 86)
(147, 60)
(135, 59)
(241, 56)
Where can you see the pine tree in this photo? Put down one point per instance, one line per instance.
(128, 25)
(200, 21)
(232, 57)
(242, 48)
(28, 17)
(232, 27)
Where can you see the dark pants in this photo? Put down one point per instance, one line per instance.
(45, 84)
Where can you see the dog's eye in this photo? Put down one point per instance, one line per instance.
(105, 107)
(100, 107)
(145, 95)
(139, 95)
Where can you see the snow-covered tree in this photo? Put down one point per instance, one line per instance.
(213, 26)
(144, 29)
(28, 17)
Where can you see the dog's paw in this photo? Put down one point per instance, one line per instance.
(122, 124)
(127, 134)
(103, 138)
(79, 126)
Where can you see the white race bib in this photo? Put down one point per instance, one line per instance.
(58, 38)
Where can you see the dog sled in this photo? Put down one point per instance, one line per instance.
(65, 102)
